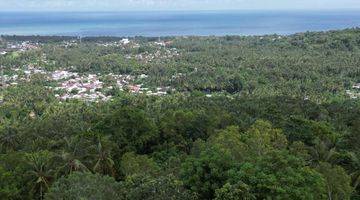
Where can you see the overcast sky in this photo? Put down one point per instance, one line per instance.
(120, 5)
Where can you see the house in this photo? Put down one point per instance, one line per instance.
(168, 43)
(142, 76)
(58, 75)
(125, 41)
(356, 86)
(163, 44)
(134, 88)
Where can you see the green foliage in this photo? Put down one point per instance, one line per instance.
(9, 185)
(239, 191)
(40, 171)
(207, 172)
(132, 164)
(279, 175)
(84, 186)
(181, 128)
(262, 137)
(132, 129)
(337, 181)
(104, 163)
(230, 140)
(308, 131)
(145, 187)
(246, 118)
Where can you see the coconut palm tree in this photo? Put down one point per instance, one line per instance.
(323, 151)
(355, 173)
(9, 138)
(40, 171)
(104, 163)
(73, 156)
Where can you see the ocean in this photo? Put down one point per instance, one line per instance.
(174, 23)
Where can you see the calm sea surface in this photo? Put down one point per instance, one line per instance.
(175, 23)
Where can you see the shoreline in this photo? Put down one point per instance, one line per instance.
(155, 24)
(75, 37)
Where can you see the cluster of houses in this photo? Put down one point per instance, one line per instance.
(87, 87)
(163, 43)
(79, 87)
(70, 43)
(22, 46)
(18, 46)
(159, 54)
(355, 93)
(20, 75)
(90, 87)
(7, 80)
(125, 42)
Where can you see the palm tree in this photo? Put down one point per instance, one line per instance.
(323, 152)
(73, 156)
(40, 172)
(9, 138)
(104, 163)
(355, 174)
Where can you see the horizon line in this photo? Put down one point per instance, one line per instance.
(186, 10)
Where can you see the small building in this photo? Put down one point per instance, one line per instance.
(356, 86)
(125, 41)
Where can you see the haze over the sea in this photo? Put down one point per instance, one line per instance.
(171, 23)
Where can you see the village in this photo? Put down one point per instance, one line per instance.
(18, 47)
(87, 87)
(67, 84)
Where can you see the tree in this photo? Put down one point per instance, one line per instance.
(207, 172)
(308, 131)
(9, 185)
(14, 169)
(9, 135)
(355, 171)
(337, 181)
(181, 127)
(40, 171)
(279, 175)
(230, 140)
(85, 185)
(300, 150)
(262, 137)
(145, 187)
(137, 164)
(73, 155)
(234, 84)
(323, 151)
(131, 128)
(238, 191)
(104, 163)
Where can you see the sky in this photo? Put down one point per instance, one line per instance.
(137, 5)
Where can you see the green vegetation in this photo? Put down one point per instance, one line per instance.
(247, 118)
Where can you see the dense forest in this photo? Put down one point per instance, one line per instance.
(241, 117)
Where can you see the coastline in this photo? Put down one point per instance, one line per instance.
(175, 23)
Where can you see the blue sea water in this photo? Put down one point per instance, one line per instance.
(166, 23)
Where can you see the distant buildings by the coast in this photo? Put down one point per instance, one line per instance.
(93, 87)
